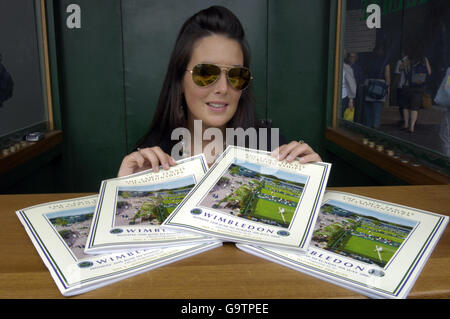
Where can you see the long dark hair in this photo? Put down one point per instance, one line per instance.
(171, 109)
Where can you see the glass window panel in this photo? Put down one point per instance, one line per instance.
(407, 57)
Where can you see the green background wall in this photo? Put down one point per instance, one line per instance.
(92, 92)
(297, 76)
(109, 73)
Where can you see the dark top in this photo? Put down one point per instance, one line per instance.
(376, 68)
(358, 73)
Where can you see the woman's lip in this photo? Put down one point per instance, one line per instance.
(217, 102)
(217, 106)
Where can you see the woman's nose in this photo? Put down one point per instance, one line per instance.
(221, 86)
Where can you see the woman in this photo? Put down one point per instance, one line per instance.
(208, 80)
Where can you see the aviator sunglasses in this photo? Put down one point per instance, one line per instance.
(207, 74)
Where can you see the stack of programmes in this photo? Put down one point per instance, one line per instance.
(273, 209)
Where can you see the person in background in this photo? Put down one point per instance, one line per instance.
(208, 79)
(352, 59)
(402, 70)
(377, 69)
(420, 71)
(348, 87)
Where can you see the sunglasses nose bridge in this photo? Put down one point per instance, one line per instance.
(222, 80)
(223, 71)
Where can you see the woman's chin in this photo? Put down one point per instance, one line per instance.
(220, 124)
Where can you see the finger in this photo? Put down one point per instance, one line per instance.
(135, 159)
(172, 162)
(285, 149)
(162, 157)
(313, 157)
(150, 155)
(304, 152)
(130, 164)
(299, 149)
(275, 152)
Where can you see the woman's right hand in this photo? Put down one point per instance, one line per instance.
(143, 159)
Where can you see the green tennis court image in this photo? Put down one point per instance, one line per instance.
(73, 228)
(359, 233)
(245, 190)
(150, 204)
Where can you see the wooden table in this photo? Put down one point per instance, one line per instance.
(225, 272)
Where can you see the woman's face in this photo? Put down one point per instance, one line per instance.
(216, 104)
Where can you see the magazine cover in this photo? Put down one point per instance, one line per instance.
(131, 209)
(59, 231)
(370, 246)
(250, 196)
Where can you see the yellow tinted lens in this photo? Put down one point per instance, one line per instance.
(205, 74)
(239, 77)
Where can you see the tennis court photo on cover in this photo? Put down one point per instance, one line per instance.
(253, 192)
(362, 234)
(150, 204)
(73, 227)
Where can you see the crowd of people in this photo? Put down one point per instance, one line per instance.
(365, 90)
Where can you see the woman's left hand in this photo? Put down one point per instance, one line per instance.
(295, 149)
